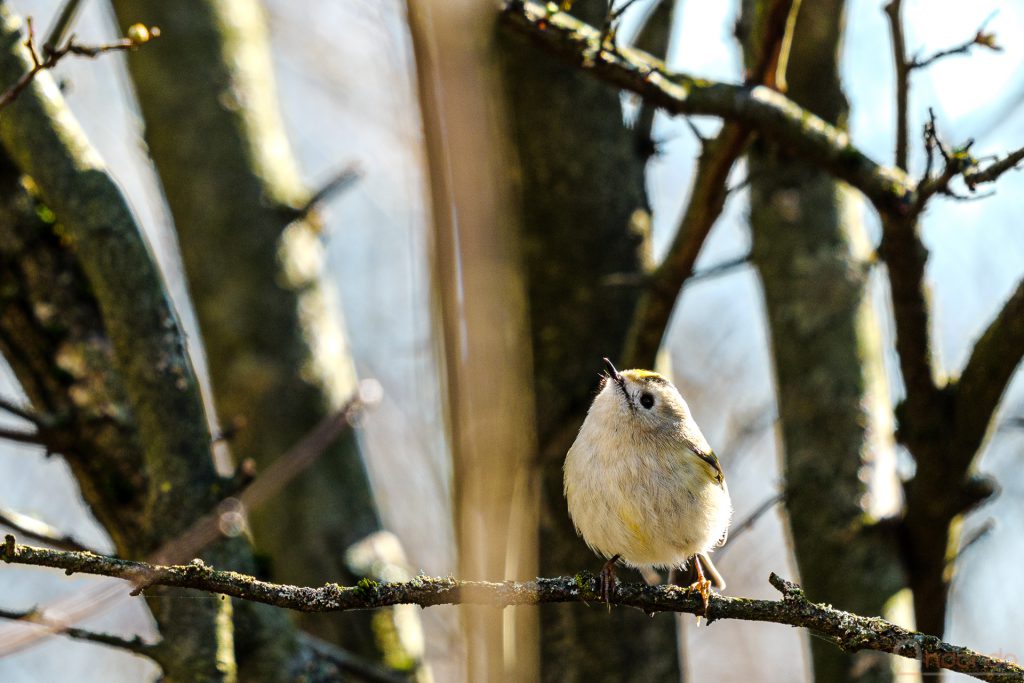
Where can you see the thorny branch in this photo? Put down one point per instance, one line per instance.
(51, 55)
(847, 631)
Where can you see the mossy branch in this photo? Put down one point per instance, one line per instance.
(759, 108)
(847, 631)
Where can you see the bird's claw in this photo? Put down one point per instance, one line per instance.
(608, 582)
(703, 587)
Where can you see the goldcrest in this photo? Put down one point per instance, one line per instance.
(642, 483)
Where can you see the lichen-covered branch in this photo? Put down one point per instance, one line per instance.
(848, 631)
(761, 109)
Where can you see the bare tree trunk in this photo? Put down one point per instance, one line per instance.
(811, 252)
(585, 232)
(213, 131)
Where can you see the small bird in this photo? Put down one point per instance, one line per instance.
(642, 483)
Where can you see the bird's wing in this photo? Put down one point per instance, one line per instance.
(696, 443)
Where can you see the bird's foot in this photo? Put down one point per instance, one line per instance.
(608, 581)
(703, 586)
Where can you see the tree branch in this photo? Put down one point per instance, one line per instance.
(902, 67)
(39, 531)
(990, 368)
(992, 172)
(53, 54)
(905, 256)
(134, 645)
(61, 25)
(705, 205)
(847, 631)
(341, 181)
(707, 199)
(19, 436)
(980, 38)
(17, 410)
(759, 108)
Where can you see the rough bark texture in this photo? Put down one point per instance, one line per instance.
(45, 142)
(585, 225)
(826, 352)
(88, 329)
(212, 128)
(849, 632)
(52, 335)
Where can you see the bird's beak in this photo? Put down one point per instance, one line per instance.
(612, 372)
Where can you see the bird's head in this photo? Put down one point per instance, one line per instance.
(644, 401)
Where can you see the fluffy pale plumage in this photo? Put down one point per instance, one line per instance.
(641, 480)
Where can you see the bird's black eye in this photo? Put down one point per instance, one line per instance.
(647, 400)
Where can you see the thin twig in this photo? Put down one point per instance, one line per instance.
(610, 26)
(19, 436)
(38, 530)
(228, 517)
(965, 545)
(18, 410)
(134, 645)
(992, 172)
(902, 67)
(341, 181)
(61, 26)
(722, 268)
(848, 631)
(803, 134)
(52, 56)
(980, 38)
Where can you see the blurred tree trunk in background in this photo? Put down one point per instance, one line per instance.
(585, 243)
(212, 127)
(481, 317)
(811, 251)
